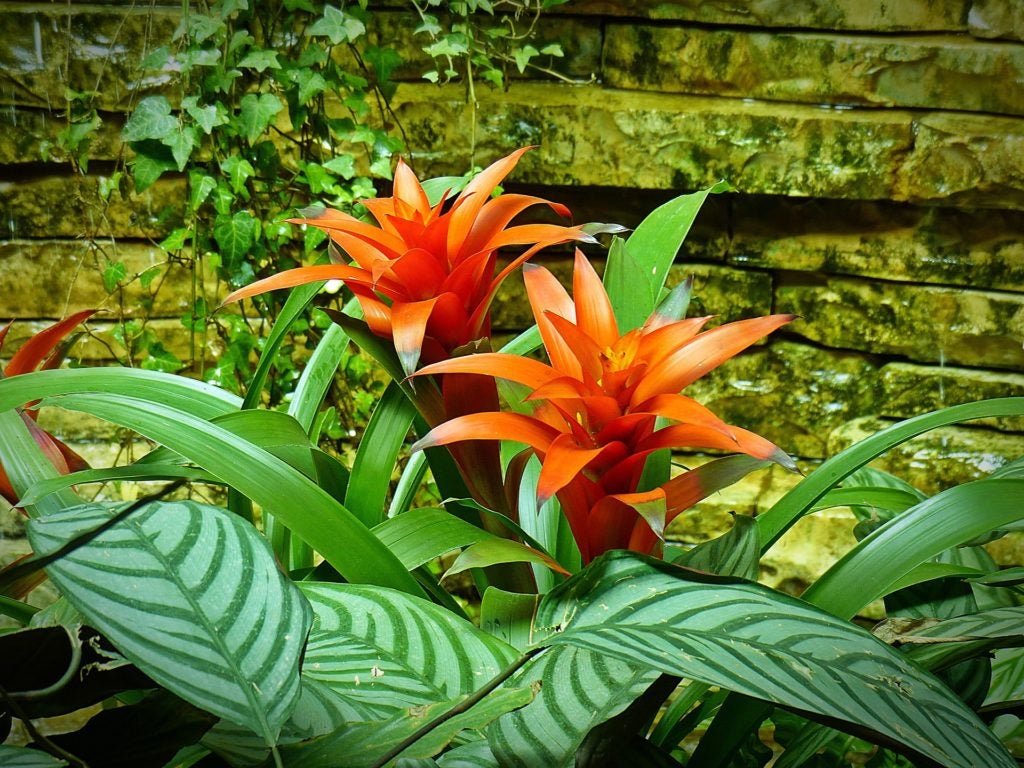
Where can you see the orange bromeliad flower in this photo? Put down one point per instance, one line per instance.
(596, 407)
(425, 276)
(42, 351)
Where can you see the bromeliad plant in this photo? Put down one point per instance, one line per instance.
(328, 641)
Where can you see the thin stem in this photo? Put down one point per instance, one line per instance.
(459, 708)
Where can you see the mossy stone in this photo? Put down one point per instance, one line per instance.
(924, 323)
(932, 72)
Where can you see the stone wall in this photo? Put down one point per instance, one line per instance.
(877, 150)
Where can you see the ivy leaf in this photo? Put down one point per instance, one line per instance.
(199, 27)
(113, 274)
(238, 170)
(201, 186)
(523, 56)
(176, 240)
(235, 236)
(157, 58)
(207, 116)
(162, 359)
(256, 114)
(182, 142)
(146, 278)
(151, 160)
(337, 26)
(152, 119)
(342, 165)
(310, 84)
(260, 60)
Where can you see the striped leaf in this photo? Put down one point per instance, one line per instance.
(362, 745)
(192, 596)
(387, 651)
(578, 689)
(747, 638)
(22, 757)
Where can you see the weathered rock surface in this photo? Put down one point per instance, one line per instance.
(907, 15)
(924, 323)
(933, 72)
(924, 244)
(47, 48)
(606, 137)
(64, 205)
(51, 278)
(909, 390)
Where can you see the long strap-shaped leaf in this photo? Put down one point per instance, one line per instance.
(637, 269)
(378, 451)
(946, 520)
(800, 499)
(748, 638)
(299, 503)
(192, 596)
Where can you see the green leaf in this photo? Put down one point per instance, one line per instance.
(298, 299)
(256, 112)
(176, 240)
(182, 141)
(199, 580)
(420, 535)
(133, 472)
(310, 84)
(152, 119)
(579, 690)
(798, 501)
(200, 187)
(152, 159)
(259, 60)
(636, 271)
(317, 376)
(386, 651)
(336, 25)
(378, 451)
(25, 463)
(523, 55)
(735, 553)
(363, 744)
(496, 551)
(23, 757)
(947, 519)
(238, 170)
(342, 165)
(206, 116)
(509, 616)
(756, 641)
(113, 274)
(234, 235)
(308, 510)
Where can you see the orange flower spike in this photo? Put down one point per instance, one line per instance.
(426, 275)
(597, 405)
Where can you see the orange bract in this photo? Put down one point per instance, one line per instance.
(425, 276)
(596, 407)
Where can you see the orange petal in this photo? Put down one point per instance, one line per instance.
(690, 436)
(408, 327)
(336, 223)
(34, 352)
(292, 277)
(685, 410)
(472, 199)
(408, 189)
(418, 272)
(662, 342)
(524, 370)
(490, 426)
(584, 348)
(705, 352)
(563, 460)
(594, 314)
(498, 212)
(547, 295)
